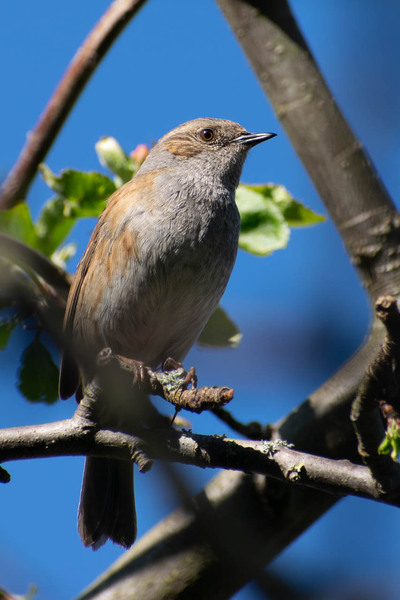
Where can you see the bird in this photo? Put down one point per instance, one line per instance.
(154, 270)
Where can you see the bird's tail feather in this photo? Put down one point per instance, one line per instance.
(107, 504)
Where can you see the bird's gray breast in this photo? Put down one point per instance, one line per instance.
(186, 252)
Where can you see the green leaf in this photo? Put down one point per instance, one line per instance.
(77, 185)
(386, 446)
(112, 156)
(263, 228)
(38, 375)
(267, 212)
(17, 222)
(6, 329)
(220, 331)
(391, 442)
(53, 225)
(298, 215)
(86, 191)
(79, 195)
(52, 180)
(293, 211)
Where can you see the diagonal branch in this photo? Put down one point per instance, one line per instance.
(32, 260)
(335, 159)
(66, 94)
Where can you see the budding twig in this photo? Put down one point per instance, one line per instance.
(171, 383)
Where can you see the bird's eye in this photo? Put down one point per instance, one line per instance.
(207, 135)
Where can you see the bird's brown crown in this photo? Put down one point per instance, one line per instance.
(193, 137)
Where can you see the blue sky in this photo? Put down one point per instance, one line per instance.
(302, 311)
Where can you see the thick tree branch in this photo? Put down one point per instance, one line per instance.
(225, 532)
(339, 167)
(66, 94)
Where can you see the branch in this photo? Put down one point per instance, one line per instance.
(273, 459)
(276, 460)
(339, 167)
(228, 533)
(126, 382)
(83, 65)
(252, 430)
(32, 260)
(380, 386)
(79, 436)
(70, 437)
(171, 383)
(33, 285)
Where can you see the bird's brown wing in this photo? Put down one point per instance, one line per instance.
(69, 372)
(96, 252)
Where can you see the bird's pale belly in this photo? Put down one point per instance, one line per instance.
(167, 314)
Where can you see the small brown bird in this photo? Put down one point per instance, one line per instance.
(156, 266)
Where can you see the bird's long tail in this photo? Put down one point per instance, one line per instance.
(107, 504)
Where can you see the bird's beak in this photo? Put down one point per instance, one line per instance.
(252, 139)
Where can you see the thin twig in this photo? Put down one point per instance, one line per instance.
(64, 97)
(252, 430)
(171, 383)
